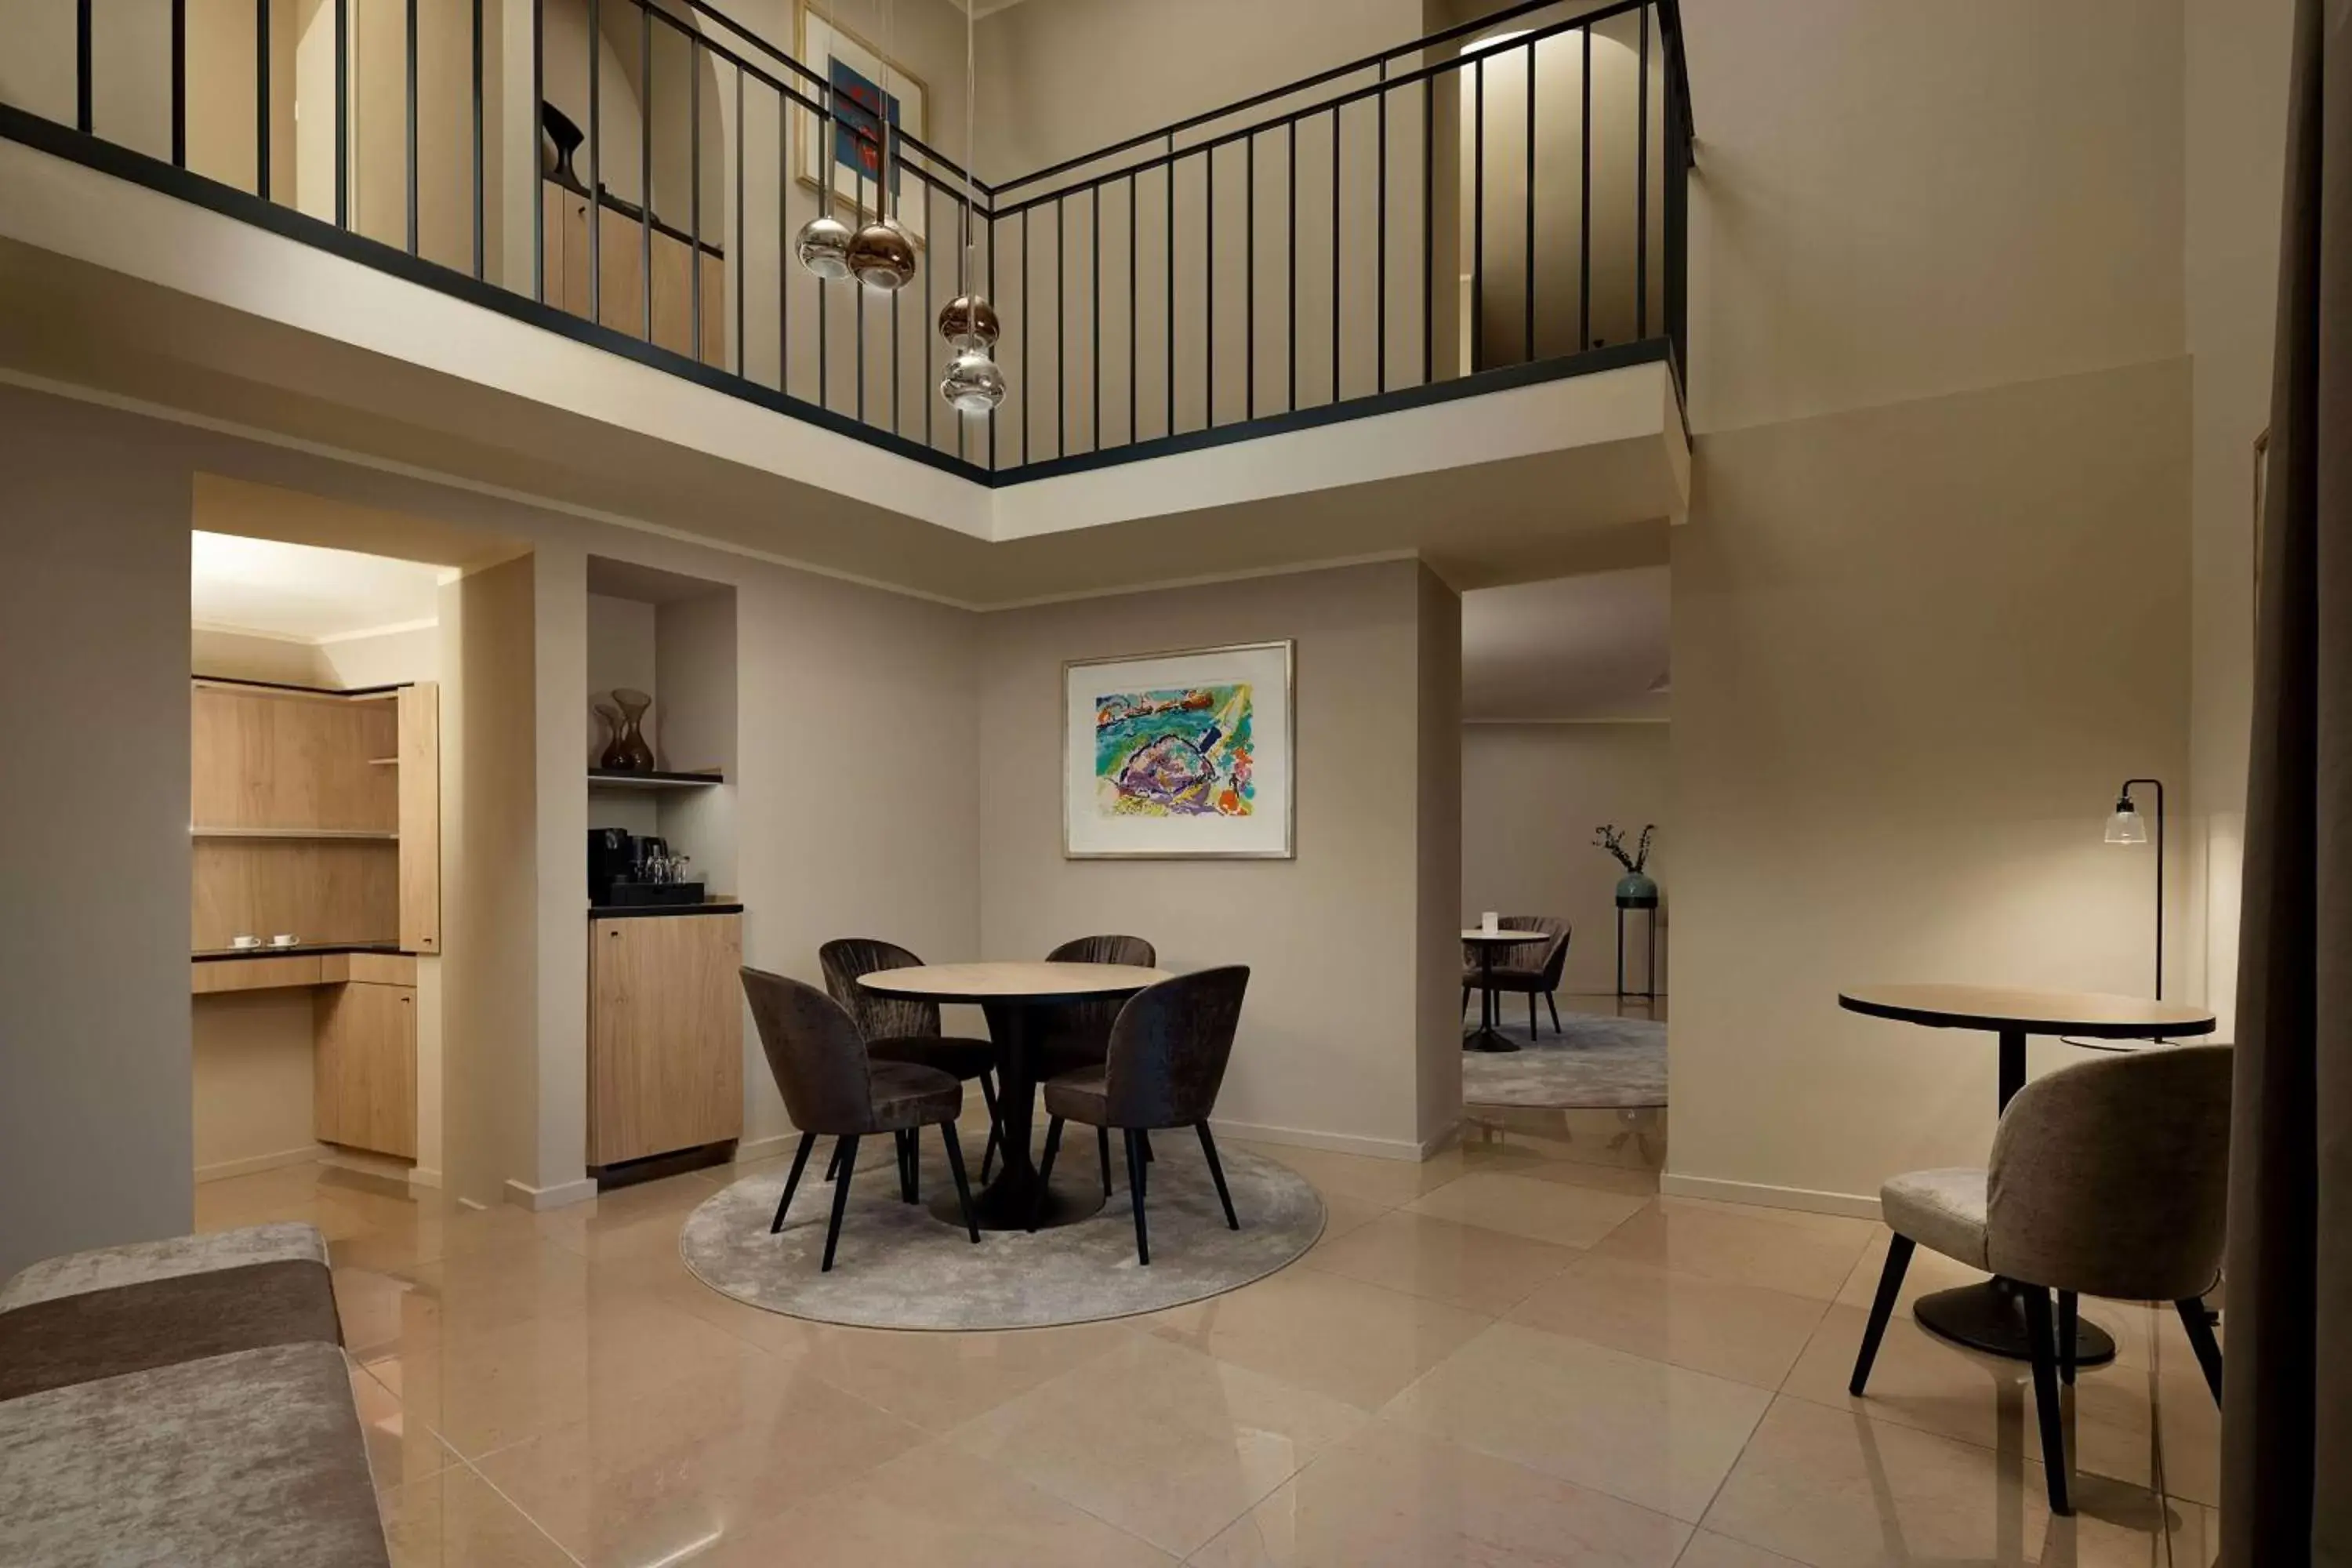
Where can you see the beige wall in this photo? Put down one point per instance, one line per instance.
(243, 655)
(1338, 1017)
(253, 1054)
(95, 1139)
(1437, 796)
(1531, 796)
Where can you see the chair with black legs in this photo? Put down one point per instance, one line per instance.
(1165, 1064)
(900, 1030)
(833, 1088)
(2108, 1178)
(1077, 1035)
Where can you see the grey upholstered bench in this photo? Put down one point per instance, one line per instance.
(182, 1402)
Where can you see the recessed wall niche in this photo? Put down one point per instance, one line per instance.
(672, 638)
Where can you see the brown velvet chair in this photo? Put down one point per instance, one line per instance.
(833, 1088)
(898, 1030)
(1536, 971)
(1166, 1062)
(1077, 1035)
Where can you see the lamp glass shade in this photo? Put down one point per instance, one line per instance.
(2126, 826)
(823, 247)
(974, 384)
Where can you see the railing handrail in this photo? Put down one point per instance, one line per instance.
(1671, 26)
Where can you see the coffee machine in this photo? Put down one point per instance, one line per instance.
(612, 858)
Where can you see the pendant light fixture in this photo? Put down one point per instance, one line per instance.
(823, 244)
(974, 384)
(881, 256)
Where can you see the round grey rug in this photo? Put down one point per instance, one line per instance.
(1592, 1063)
(899, 1268)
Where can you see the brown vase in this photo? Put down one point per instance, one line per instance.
(629, 753)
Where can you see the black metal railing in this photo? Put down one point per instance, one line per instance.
(1497, 202)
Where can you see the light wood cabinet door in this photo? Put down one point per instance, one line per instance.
(366, 1068)
(665, 1034)
(420, 817)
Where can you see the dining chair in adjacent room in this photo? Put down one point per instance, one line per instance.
(832, 1088)
(2108, 1178)
(900, 1030)
(1076, 1034)
(1165, 1063)
(1536, 971)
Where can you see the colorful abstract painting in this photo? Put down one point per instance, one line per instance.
(1183, 752)
(842, 152)
(1177, 755)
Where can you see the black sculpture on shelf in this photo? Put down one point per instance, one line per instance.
(567, 138)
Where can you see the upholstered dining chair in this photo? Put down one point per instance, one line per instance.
(1164, 1065)
(1538, 975)
(832, 1088)
(2108, 1178)
(900, 1030)
(1077, 1035)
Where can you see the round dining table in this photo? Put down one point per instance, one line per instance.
(1013, 995)
(1991, 1317)
(1487, 1037)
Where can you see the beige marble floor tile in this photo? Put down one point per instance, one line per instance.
(1929, 1384)
(456, 1520)
(1835, 1490)
(1835, 1227)
(1658, 1435)
(1465, 1265)
(940, 1381)
(398, 1452)
(1342, 1214)
(1389, 1181)
(427, 1232)
(1353, 1341)
(1708, 1549)
(1719, 1244)
(1391, 1497)
(1640, 1181)
(1166, 1443)
(645, 1475)
(935, 1504)
(1927, 1273)
(1744, 1333)
(1542, 1211)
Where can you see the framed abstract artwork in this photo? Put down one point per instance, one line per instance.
(1179, 755)
(868, 91)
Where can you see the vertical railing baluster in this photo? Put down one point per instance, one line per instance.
(932, 314)
(1528, 243)
(1429, 229)
(180, 86)
(1094, 440)
(645, 165)
(1028, 330)
(409, 79)
(1024, 329)
(260, 98)
(597, 171)
(784, 244)
(741, 238)
(1478, 217)
(1171, 323)
(1335, 254)
(857, 287)
(694, 196)
(1061, 331)
(538, 115)
(1290, 311)
(1584, 202)
(481, 237)
(1380, 241)
(1134, 304)
(1676, 195)
(1641, 186)
(1209, 290)
(824, 161)
(85, 96)
(1249, 275)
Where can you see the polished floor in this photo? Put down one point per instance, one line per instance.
(1518, 1353)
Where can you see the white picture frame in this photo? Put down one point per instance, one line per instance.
(842, 58)
(1187, 754)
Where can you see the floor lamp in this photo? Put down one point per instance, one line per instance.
(2128, 826)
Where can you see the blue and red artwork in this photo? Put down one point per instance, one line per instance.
(861, 107)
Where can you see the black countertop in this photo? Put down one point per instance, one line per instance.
(636, 911)
(299, 950)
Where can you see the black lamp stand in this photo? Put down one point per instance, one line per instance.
(2123, 799)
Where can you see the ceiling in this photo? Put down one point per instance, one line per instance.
(305, 593)
(1583, 647)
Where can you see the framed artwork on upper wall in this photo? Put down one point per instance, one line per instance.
(1179, 755)
(868, 91)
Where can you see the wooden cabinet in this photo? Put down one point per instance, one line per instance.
(665, 1035)
(366, 1068)
(621, 269)
(419, 793)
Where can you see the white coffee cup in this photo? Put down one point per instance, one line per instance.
(243, 940)
(283, 939)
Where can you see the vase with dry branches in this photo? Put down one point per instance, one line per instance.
(1635, 888)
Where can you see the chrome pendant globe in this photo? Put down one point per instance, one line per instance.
(967, 319)
(824, 247)
(972, 382)
(881, 256)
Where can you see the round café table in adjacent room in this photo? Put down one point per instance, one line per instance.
(1011, 994)
(1487, 1037)
(1991, 1317)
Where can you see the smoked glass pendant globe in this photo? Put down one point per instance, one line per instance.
(881, 256)
(969, 320)
(824, 247)
(972, 383)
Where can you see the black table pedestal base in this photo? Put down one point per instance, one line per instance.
(1485, 1039)
(1005, 1204)
(1991, 1318)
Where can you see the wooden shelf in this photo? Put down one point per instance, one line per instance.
(383, 834)
(615, 778)
(384, 761)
